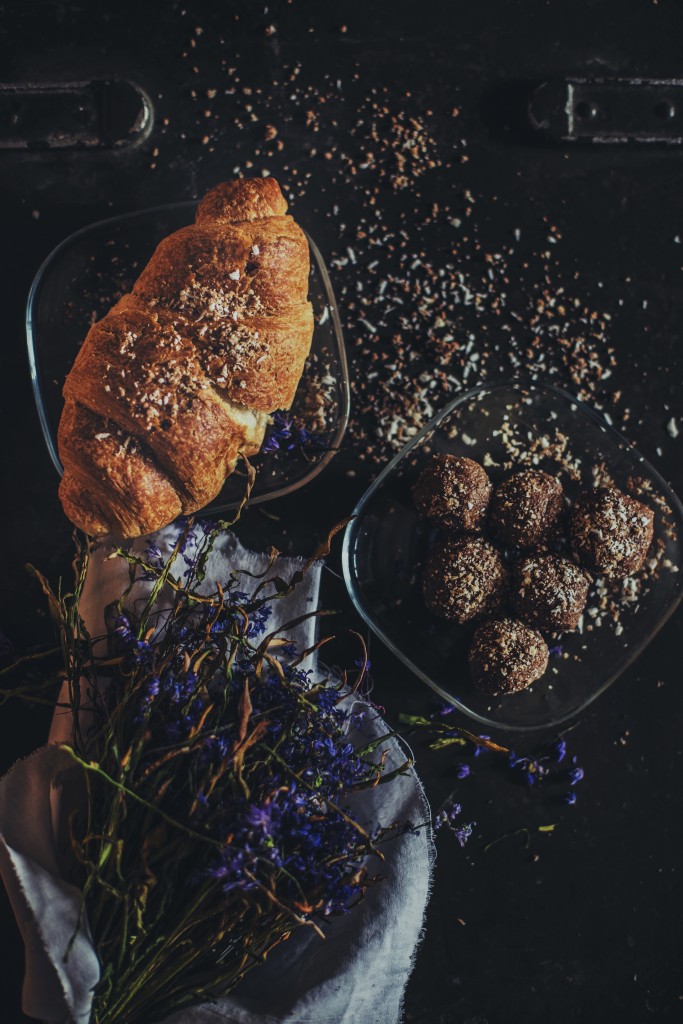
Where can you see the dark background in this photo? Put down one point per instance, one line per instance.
(579, 924)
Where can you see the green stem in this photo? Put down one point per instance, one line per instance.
(94, 768)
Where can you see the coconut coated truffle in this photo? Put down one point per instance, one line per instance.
(549, 592)
(610, 532)
(454, 491)
(525, 508)
(506, 656)
(464, 579)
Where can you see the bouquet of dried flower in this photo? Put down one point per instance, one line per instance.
(217, 772)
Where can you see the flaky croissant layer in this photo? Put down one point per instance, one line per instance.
(180, 376)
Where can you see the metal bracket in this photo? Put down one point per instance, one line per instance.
(99, 114)
(617, 110)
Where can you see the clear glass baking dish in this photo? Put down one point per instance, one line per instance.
(92, 268)
(498, 424)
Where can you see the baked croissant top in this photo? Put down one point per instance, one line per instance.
(181, 375)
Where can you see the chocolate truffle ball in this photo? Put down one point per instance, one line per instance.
(610, 532)
(549, 592)
(464, 578)
(453, 491)
(525, 508)
(506, 656)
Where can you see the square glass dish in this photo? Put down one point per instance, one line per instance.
(83, 277)
(505, 426)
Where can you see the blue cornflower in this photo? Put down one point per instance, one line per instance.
(259, 621)
(479, 749)
(531, 768)
(231, 869)
(575, 775)
(324, 745)
(124, 630)
(260, 817)
(327, 700)
(156, 561)
(189, 539)
(446, 819)
(559, 750)
(136, 653)
(151, 690)
(462, 770)
(179, 689)
(216, 748)
(556, 651)
(284, 435)
(152, 552)
(569, 797)
(463, 832)
(281, 434)
(446, 816)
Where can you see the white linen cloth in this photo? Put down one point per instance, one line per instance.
(357, 975)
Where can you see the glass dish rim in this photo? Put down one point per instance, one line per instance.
(34, 360)
(350, 534)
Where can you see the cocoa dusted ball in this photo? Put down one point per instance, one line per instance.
(525, 508)
(453, 491)
(549, 592)
(610, 532)
(506, 656)
(464, 578)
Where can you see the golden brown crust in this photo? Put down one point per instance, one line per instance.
(212, 270)
(111, 481)
(242, 199)
(178, 378)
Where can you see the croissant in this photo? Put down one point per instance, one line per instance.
(181, 375)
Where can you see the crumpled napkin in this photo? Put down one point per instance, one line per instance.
(356, 976)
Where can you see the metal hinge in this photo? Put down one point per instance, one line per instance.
(616, 110)
(73, 115)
